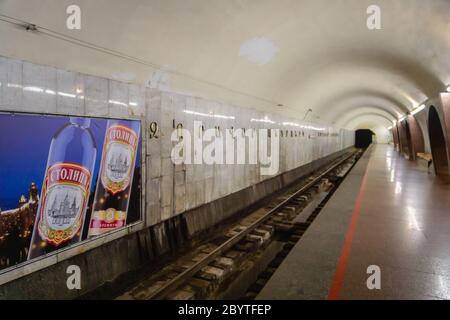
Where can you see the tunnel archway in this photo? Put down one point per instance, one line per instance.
(364, 138)
(438, 145)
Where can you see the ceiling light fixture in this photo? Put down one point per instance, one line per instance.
(418, 109)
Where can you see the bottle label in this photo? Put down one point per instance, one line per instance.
(118, 158)
(103, 221)
(65, 195)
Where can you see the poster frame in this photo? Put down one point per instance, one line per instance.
(24, 268)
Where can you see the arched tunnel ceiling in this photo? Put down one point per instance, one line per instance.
(316, 54)
(368, 121)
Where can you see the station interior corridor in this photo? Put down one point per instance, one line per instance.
(225, 150)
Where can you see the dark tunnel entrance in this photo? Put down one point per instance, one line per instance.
(363, 138)
(438, 145)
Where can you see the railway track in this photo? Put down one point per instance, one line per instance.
(218, 263)
(288, 240)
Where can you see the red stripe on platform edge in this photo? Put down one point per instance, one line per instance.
(339, 274)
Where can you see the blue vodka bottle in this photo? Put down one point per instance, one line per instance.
(65, 189)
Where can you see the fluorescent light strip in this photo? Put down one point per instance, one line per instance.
(65, 94)
(33, 89)
(208, 115)
(118, 103)
(418, 109)
(302, 126)
(262, 120)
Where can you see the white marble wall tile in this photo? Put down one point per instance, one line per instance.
(39, 88)
(118, 99)
(153, 213)
(153, 190)
(3, 78)
(153, 128)
(180, 198)
(179, 107)
(166, 213)
(154, 165)
(96, 96)
(189, 173)
(153, 196)
(11, 84)
(217, 182)
(180, 191)
(208, 189)
(223, 180)
(200, 108)
(166, 190)
(190, 198)
(166, 123)
(3, 81)
(70, 93)
(167, 167)
(199, 192)
(136, 101)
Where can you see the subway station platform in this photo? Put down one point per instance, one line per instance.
(388, 212)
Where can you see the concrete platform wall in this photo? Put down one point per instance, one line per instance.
(180, 200)
(187, 186)
(112, 265)
(28, 87)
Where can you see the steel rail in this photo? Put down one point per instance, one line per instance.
(227, 245)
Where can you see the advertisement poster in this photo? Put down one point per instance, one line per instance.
(63, 180)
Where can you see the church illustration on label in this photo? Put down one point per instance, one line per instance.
(118, 164)
(64, 209)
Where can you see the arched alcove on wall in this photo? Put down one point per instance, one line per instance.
(438, 144)
(397, 134)
(407, 149)
(415, 138)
